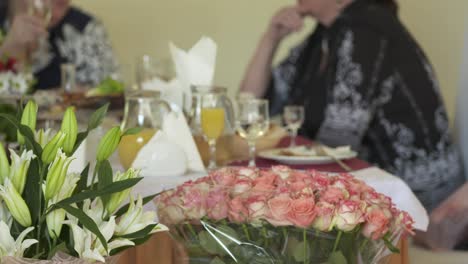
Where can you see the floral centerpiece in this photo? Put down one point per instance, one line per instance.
(13, 81)
(48, 213)
(280, 215)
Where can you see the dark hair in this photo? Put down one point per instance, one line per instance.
(390, 4)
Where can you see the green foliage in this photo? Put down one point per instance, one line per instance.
(107, 87)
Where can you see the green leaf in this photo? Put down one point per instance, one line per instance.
(390, 245)
(91, 194)
(146, 200)
(87, 222)
(142, 233)
(208, 242)
(96, 118)
(299, 254)
(217, 261)
(337, 257)
(26, 132)
(62, 247)
(132, 131)
(105, 179)
(83, 182)
(33, 188)
(79, 139)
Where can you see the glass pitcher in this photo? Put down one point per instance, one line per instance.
(145, 110)
(194, 113)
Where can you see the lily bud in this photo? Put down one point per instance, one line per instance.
(51, 148)
(28, 118)
(117, 198)
(56, 174)
(108, 144)
(19, 168)
(15, 204)
(70, 128)
(56, 218)
(4, 165)
(42, 136)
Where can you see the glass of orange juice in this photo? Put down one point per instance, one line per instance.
(212, 123)
(144, 110)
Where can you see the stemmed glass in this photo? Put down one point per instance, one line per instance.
(212, 123)
(41, 9)
(293, 116)
(253, 122)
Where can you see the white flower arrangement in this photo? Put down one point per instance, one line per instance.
(15, 83)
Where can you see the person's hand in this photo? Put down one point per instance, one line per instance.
(284, 22)
(23, 35)
(448, 222)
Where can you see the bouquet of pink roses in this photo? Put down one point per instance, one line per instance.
(280, 215)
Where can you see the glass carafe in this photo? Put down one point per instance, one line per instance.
(144, 110)
(194, 114)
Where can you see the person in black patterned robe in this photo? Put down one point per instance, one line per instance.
(364, 82)
(72, 36)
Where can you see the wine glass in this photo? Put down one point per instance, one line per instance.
(253, 122)
(41, 9)
(293, 116)
(212, 123)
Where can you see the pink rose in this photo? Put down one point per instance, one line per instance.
(238, 213)
(216, 202)
(241, 186)
(403, 222)
(282, 171)
(325, 213)
(299, 176)
(298, 186)
(348, 215)
(302, 212)
(279, 209)
(171, 215)
(375, 198)
(334, 195)
(320, 181)
(194, 204)
(257, 207)
(248, 172)
(377, 223)
(223, 177)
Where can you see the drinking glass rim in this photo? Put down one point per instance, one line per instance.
(205, 89)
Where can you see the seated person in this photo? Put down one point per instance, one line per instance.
(71, 36)
(365, 82)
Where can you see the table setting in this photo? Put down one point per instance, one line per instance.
(182, 153)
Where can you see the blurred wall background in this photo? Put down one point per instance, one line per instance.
(139, 27)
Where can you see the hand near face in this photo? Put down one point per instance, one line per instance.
(23, 35)
(284, 22)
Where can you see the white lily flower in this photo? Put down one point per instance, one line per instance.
(19, 168)
(5, 215)
(55, 218)
(56, 175)
(11, 248)
(43, 136)
(135, 219)
(89, 247)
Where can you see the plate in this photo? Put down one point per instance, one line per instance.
(307, 155)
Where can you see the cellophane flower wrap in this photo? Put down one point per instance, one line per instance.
(280, 215)
(50, 215)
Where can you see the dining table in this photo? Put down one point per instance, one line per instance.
(162, 249)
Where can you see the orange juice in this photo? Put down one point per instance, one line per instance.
(130, 145)
(212, 122)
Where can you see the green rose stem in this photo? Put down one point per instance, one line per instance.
(42, 173)
(363, 244)
(337, 241)
(264, 232)
(190, 227)
(304, 236)
(246, 232)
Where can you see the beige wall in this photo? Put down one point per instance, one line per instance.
(145, 26)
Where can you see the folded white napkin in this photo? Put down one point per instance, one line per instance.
(178, 131)
(193, 67)
(161, 157)
(401, 194)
